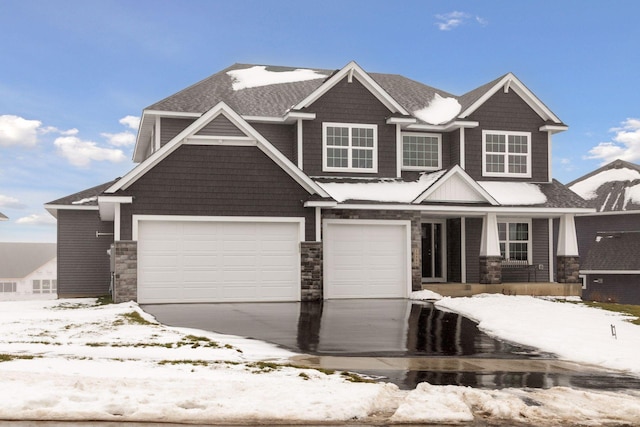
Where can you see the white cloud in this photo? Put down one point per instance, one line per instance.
(10, 202)
(53, 129)
(132, 122)
(16, 130)
(36, 219)
(82, 153)
(120, 139)
(451, 20)
(625, 145)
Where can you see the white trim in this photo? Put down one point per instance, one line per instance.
(116, 223)
(463, 249)
(467, 210)
(115, 199)
(490, 240)
(299, 142)
(462, 149)
(549, 163)
(238, 141)
(350, 147)
(289, 117)
(583, 278)
(553, 128)
(401, 120)
(398, 150)
(383, 222)
(354, 70)
(221, 108)
(175, 114)
(157, 132)
(594, 213)
(53, 209)
(614, 272)
(551, 255)
(438, 137)
(318, 212)
(521, 90)
(456, 170)
(320, 204)
(567, 238)
(136, 219)
(458, 124)
(506, 154)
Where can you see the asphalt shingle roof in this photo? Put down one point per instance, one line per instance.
(88, 197)
(614, 251)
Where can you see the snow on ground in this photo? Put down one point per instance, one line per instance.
(76, 360)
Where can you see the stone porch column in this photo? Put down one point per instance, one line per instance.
(490, 257)
(568, 258)
(125, 280)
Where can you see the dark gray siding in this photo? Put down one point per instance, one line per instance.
(220, 126)
(588, 226)
(349, 103)
(83, 263)
(283, 137)
(170, 127)
(507, 112)
(217, 181)
(474, 234)
(619, 288)
(453, 149)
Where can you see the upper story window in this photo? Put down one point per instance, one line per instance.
(349, 147)
(506, 153)
(421, 151)
(515, 240)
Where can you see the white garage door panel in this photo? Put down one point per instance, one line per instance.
(216, 261)
(366, 260)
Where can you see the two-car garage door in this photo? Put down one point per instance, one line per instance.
(218, 261)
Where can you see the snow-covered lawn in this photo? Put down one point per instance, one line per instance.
(76, 360)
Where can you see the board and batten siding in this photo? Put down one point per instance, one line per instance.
(507, 112)
(83, 262)
(199, 180)
(349, 103)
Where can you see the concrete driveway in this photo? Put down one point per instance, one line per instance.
(402, 341)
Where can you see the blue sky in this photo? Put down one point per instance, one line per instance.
(76, 75)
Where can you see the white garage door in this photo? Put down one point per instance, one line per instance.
(366, 259)
(217, 261)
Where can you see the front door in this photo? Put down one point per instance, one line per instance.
(433, 252)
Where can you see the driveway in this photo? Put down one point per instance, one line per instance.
(399, 340)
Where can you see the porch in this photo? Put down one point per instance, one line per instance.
(520, 288)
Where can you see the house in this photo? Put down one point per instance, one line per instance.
(609, 236)
(264, 183)
(28, 271)
(3, 217)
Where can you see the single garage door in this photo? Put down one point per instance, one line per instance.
(366, 259)
(218, 261)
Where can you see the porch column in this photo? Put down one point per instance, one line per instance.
(568, 258)
(490, 258)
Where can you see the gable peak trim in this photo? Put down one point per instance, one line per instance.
(456, 170)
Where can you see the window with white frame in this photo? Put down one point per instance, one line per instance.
(8, 287)
(349, 147)
(506, 153)
(515, 240)
(45, 286)
(421, 151)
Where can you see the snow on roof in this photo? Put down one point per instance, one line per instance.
(514, 193)
(440, 110)
(86, 200)
(381, 191)
(259, 76)
(587, 188)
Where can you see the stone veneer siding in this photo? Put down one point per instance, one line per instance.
(125, 280)
(568, 269)
(416, 233)
(490, 270)
(311, 271)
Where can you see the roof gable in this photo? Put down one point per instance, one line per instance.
(455, 186)
(351, 71)
(476, 98)
(191, 135)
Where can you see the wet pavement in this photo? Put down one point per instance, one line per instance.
(402, 341)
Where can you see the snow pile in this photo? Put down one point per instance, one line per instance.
(425, 294)
(259, 76)
(574, 332)
(440, 110)
(381, 191)
(514, 193)
(587, 188)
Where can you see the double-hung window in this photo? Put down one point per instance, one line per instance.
(349, 147)
(8, 287)
(515, 240)
(421, 151)
(506, 153)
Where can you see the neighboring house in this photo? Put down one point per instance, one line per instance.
(28, 271)
(607, 237)
(3, 217)
(264, 183)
